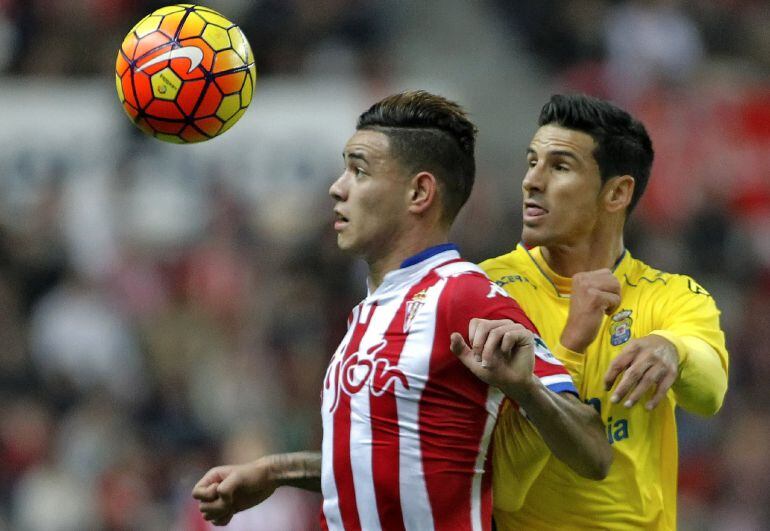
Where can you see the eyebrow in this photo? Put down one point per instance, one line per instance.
(354, 155)
(557, 153)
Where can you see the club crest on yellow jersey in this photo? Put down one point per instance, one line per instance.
(620, 329)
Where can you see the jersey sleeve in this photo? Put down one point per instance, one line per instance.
(475, 296)
(689, 319)
(517, 460)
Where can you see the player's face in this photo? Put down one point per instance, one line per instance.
(561, 187)
(371, 196)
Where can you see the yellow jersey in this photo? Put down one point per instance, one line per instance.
(535, 490)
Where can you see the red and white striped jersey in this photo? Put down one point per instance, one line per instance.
(406, 425)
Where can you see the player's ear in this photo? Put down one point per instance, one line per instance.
(618, 192)
(422, 192)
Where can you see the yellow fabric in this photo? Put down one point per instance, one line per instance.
(533, 489)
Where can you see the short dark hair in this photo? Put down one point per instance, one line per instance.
(429, 133)
(623, 146)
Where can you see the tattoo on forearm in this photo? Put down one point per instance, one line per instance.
(299, 469)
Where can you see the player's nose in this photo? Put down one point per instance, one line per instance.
(337, 188)
(533, 180)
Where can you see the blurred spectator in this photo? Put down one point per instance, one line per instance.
(81, 37)
(76, 335)
(649, 42)
(8, 35)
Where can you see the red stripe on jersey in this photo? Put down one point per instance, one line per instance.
(343, 470)
(384, 414)
(451, 446)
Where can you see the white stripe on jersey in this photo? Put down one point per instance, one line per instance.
(361, 432)
(494, 398)
(548, 381)
(415, 504)
(331, 507)
(458, 268)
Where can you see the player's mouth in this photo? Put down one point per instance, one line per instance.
(533, 211)
(340, 221)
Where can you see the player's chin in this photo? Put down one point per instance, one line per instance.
(533, 236)
(345, 242)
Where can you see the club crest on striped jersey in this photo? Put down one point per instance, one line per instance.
(413, 306)
(362, 371)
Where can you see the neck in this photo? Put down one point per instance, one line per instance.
(599, 251)
(404, 246)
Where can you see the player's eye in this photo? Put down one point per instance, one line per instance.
(531, 163)
(359, 172)
(562, 167)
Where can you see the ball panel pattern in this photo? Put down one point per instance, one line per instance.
(185, 74)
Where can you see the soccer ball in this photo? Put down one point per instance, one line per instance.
(185, 74)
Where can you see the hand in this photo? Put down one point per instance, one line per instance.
(594, 295)
(645, 362)
(226, 490)
(502, 354)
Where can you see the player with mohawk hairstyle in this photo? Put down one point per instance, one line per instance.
(412, 393)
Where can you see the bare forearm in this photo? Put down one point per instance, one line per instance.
(571, 429)
(298, 469)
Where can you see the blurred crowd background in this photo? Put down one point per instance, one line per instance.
(167, 308)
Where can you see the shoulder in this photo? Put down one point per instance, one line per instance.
(505, 263)
(661, 283)
(516, 272)
(465, 280)
(469, 293)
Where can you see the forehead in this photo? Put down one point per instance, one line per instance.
(371, 144)
(556, 138)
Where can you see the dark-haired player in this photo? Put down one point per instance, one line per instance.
(412, 393)
(637, 341)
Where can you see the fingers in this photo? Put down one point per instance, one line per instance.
(222, 521)
(457, 344)
(489, 340)
(619, 364)
(498, 338)
(216, 510)
(650, 378)
(203, 489)
(226, 489)
(459, 347)
(516, 337)
(602, 279)
(645, 364)
(601, 286)
(606, 300)
(478, 333)
(631, 377)
(492, 345)
(611, 303)
(213, 506)
(472, 325)
(663, 386)
(205, 493)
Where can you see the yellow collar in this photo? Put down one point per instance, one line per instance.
(563, 285)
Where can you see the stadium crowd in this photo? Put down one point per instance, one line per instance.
(118, 389)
